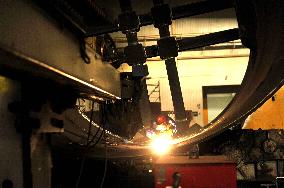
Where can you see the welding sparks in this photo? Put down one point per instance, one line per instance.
(161, 144)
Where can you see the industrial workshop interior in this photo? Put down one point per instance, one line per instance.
(141, 94)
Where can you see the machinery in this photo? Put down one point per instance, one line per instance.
(51, 73)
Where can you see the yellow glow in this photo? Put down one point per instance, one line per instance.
(161, 144)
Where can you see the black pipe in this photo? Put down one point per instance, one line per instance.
(175, 88)
(179, 109)
(208, 39)
(190, 43)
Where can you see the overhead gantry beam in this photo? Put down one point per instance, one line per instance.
(178, 12)
(32, 43)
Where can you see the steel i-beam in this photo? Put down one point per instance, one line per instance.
(33, 44)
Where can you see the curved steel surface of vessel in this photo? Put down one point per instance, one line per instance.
(261, 30)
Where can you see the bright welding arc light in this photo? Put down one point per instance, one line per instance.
(161, 144)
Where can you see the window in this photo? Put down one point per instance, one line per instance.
(216, 99)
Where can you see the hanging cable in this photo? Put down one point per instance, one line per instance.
(104, 126)
(105, 166)
(81, 171)
(106, 157)
(98, 140)
(84, 155)
(88, 146)
(91, 120)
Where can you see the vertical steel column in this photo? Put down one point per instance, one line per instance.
(11, 161)
(41, 161)
(24, 158)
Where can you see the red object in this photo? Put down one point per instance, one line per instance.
(205, 172)
(161, 119)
